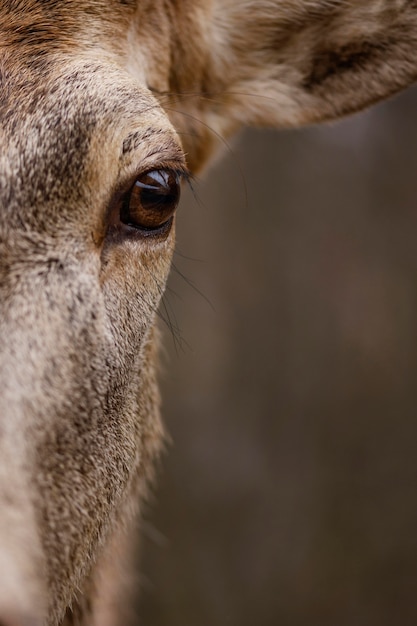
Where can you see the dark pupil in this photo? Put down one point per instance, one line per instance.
(152, 200)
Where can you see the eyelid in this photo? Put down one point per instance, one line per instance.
(178, 169)
(159, 177)
(127, 181)
(164, 153)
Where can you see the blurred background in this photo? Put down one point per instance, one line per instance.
(288, 495)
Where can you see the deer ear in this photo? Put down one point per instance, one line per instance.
(291, 62)
(286, 63)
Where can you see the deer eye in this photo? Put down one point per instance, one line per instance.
(151, 202)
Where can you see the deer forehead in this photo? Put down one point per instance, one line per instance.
(71, 135)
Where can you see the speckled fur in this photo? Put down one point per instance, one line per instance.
(93, 92)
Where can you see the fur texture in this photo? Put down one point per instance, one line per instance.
(94, 93)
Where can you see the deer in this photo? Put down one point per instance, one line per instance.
(107, 108)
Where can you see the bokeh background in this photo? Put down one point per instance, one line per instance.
(288, 496)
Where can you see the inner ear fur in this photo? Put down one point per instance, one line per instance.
(313, 60)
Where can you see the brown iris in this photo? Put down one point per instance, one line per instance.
(151, 202)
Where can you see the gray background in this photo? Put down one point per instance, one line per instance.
(289, 494)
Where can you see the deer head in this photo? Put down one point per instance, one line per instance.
(106, 107)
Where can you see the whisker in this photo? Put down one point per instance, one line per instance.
(213, 98)
(188, 258)
(224, 141)
(169, 319)
(193, 286)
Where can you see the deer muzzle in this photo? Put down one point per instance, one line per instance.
(50, 407)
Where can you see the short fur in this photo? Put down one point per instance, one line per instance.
(93, 93)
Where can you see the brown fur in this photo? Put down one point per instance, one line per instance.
(93, 93)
